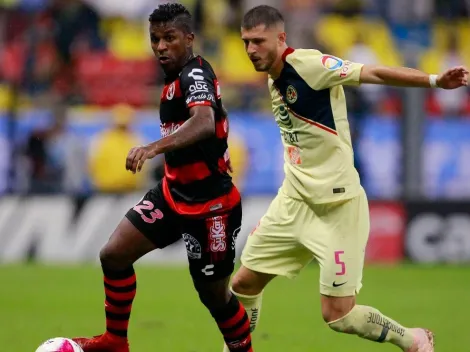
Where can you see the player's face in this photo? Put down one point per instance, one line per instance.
(170, 45)
(261, 45)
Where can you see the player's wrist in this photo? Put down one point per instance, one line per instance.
(433, 81)
(152, 149)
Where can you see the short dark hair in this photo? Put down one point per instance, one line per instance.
(263, 14)
(173, 12)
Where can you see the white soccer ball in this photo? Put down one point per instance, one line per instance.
(59, 344)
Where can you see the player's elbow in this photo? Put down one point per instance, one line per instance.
(371, 74)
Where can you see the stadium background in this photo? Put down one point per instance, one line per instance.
(79, 87)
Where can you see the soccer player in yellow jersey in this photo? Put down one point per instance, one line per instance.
(321, 210)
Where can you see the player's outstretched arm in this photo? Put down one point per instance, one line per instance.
(199, 126)
(407, 77)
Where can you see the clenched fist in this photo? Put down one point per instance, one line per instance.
(138, 155)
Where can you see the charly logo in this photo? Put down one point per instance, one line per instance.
(284, 116)
(291, 95)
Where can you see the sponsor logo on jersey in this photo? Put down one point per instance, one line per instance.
(331, 63)
(346, 69)
(168, 128)
(294, 155)
(199, 86)
(217, 235)
(291, 95)
(290, 137)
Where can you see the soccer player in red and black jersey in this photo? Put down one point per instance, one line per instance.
(196, 199)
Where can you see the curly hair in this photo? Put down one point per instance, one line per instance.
(175, 13)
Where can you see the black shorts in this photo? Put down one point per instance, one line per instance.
(210, 241)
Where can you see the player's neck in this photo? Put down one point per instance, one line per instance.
(278, 65)
(189, 57)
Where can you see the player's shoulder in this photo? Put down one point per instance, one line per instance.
(301, 55)
(198, 65)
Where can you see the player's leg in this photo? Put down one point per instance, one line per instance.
(248, 286)
(272, 249)
(125, 246)
(210, 244)
(340, 242)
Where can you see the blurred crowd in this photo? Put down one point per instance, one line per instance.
(60, 53)
(81, 51)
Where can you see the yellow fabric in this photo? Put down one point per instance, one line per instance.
(292, 233)
(108, 160)
(309, 106)
(238, 159)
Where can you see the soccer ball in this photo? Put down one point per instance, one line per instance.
(59, 344)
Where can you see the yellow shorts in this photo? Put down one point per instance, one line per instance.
(292, 233)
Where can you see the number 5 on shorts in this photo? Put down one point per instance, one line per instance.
(340, 262)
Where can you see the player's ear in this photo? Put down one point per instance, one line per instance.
(282, 37)
(189, 39)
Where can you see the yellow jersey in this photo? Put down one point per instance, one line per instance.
(309, 106)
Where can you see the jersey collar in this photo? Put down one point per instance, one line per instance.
(286, 52)
(168, 78)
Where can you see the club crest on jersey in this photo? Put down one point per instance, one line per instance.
(291, 95)
(331, 63)
(284, 117)
(170, 93)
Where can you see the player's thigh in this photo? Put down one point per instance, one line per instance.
(210, 244)
(339, 244)
(273, 247)
(125, 246)
(154, 220)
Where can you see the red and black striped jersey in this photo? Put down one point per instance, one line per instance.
(196, 180)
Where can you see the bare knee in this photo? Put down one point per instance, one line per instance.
(250, 283)
(111, 257)
(334, 308)
(124, 247)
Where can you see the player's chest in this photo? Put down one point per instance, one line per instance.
(172, 104)
(284, 99)
(295, 103)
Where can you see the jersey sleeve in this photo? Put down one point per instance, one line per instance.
(323, 71)
(198, 85)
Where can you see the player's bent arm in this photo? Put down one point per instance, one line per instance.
(199, 126)
(409, 77)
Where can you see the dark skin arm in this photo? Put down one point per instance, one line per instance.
(199, 126)
(225, 112)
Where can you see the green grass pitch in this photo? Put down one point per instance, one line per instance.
(38, 302)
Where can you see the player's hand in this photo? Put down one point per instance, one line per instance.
(453, 78)
(138, 155)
